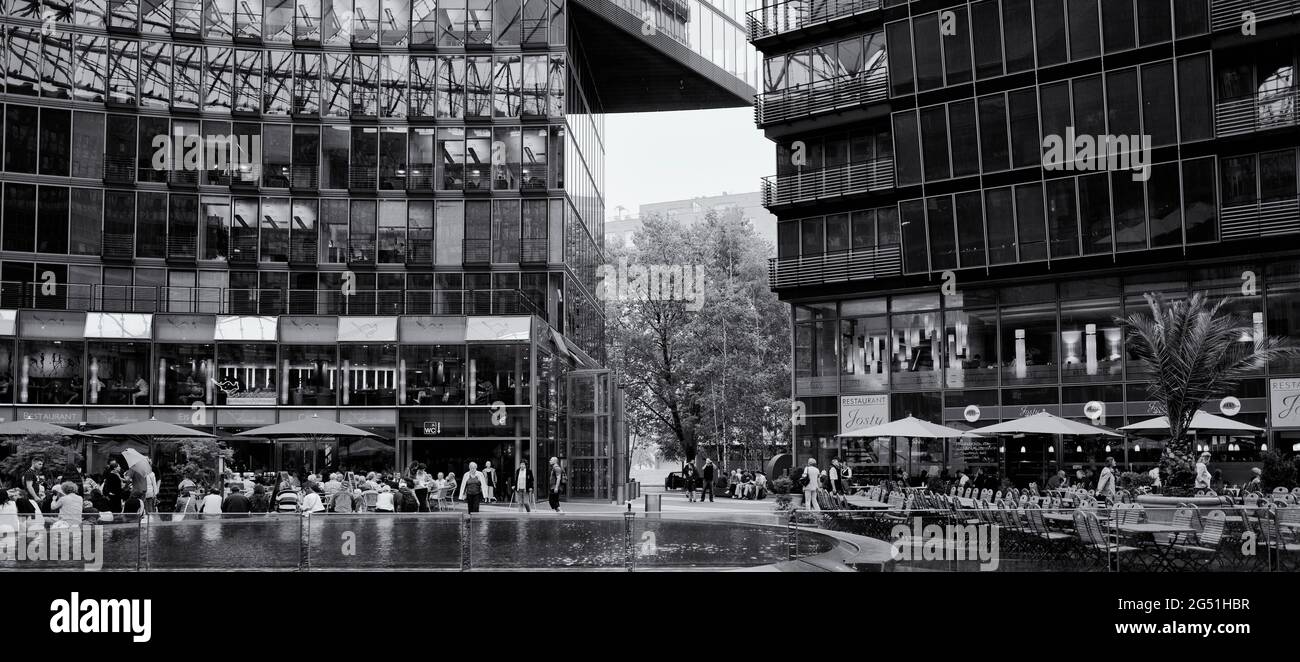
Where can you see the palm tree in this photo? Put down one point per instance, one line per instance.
(1194, 351)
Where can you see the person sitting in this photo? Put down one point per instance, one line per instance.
(141, 391)
(287, 500)
(385, 501)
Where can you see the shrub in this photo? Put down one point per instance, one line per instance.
(1133, 480)
(1278, 471)
(60, 457)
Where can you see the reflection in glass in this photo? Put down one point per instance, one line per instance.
(312, 375)
(246, 375)
(184, 374)
(864, 342)
(369, 374)
(50, 372)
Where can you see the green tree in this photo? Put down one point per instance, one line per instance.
(716, 373)
(1194, 352)
(201, 458)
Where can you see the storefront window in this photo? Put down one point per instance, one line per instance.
(185, 372)
(118, 374)
(498, 373)
(6, 371)
(246, 375)
(972, 348)
(865, 365)
(51, 372)
(435, 374)
(1029, 345)
(312, 371)
(916, 346)
(369, 375)
(814, 358)
(1091, 342)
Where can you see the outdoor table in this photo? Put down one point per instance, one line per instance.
(864, 502)
(1175, 531)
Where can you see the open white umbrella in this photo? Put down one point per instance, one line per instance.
(1045, 423)
(909, 427)
(1201, 421)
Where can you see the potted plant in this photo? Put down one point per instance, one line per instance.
(1194, 352)
(781, 488)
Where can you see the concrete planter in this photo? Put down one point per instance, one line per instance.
(1161, 508)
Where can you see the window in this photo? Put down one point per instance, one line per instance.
(186, 374)
(926, 39)
(999, 217)
(912, 214)
(1019, 40)
(1025, 145)
(994, 147)
(907, 162)
(1194, 101)
(1277, 175)
(1153, 22)
(21, 138)
(1062, 218)
(943, 247)
(899, 50)
(864, 342)
(1191, 17)
(956, 49)
(1089, 106)
(1130, 211)
(449, 233)
(964, 138)
(1164, 207)
(1117, 24)
(369, 375)
(1157, 112)
(1094, 213)
(19, 217)
(87, 212)
(392, 232)
(987, 24)
(1199, 209)
(815, 358)
(1123, 117)
(151, 225)
(118, 374)
(970, 230)
(334, 231)
(1085, 36)
(182, 227)
(246, 375)
(971, 354)
(216, 227)
(1054, 102)
(435, 374)
(1030, 222)
(1049, 31)
(915, 354)
(1029, 345)
(57, 377)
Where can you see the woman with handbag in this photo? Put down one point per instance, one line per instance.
(811, 482)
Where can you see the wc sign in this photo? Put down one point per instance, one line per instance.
(432, 428)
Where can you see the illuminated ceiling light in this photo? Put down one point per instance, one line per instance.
(1107, 448)
(1078, 449)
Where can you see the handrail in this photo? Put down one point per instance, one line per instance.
(835, 266)
(791, 15)
(846, 179)
(264, 301)
(1226, 14)
(1258, 111)
(831, 94)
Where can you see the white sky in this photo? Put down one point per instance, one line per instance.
(657, 157)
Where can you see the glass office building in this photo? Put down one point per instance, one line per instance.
(228, 213)
(940, 265)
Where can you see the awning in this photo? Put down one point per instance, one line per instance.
(119, 326)
(909, 427)
(185, 328)
(432, 330)
(367, 329)
(1045, 423)
(497, 328)
(246, 328)
(323, 330)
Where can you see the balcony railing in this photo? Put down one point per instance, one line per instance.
(1260, 218)
(118, 246)
(825, 96)
(1262, 111)
(828, 182)
(840, 266)
(266, 301)
(185, 248)
(1226, 14)
(478, 251)
(792, 15)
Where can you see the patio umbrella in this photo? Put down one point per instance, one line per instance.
(909, 427)
(308, 428)
(29, 427)
(1045, 423)
(150, 429)
(1201, 421)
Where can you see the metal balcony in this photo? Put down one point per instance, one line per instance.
(1226, 14)
(791, 15)
(837, 267)
(829, 95)
(1262, 111)
(833, 182)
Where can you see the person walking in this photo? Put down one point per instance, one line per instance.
(113, 487)
(423, 481)
(471, 487)
(837, 486)
(524, 486)
(490, 482)
(689, 478)
(236, 502)
(1106, 482)
(151, 493)
(707, 488)
(553, 484)
(1203, 477)
(811, 481)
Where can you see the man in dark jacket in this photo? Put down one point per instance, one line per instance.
(689, 477)
(708, 481)
(236, 502)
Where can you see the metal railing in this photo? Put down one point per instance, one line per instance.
(1226, 14)
(118, 246)
(833, 94)
(119, 169)
(265, 301)
(182, 247)
(1261, 111)
(791, 15)
(839, 266)
(847, 179)
(477, 251)
(363, 177)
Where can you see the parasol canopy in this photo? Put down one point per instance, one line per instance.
(150, 428)
(308, 427)
(29, 427)
(1202, 420)
(1045, 423)
(909, 427)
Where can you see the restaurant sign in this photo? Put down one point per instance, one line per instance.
(860, 411)
(1284, 403)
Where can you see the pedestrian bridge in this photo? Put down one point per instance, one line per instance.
(661, 55)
